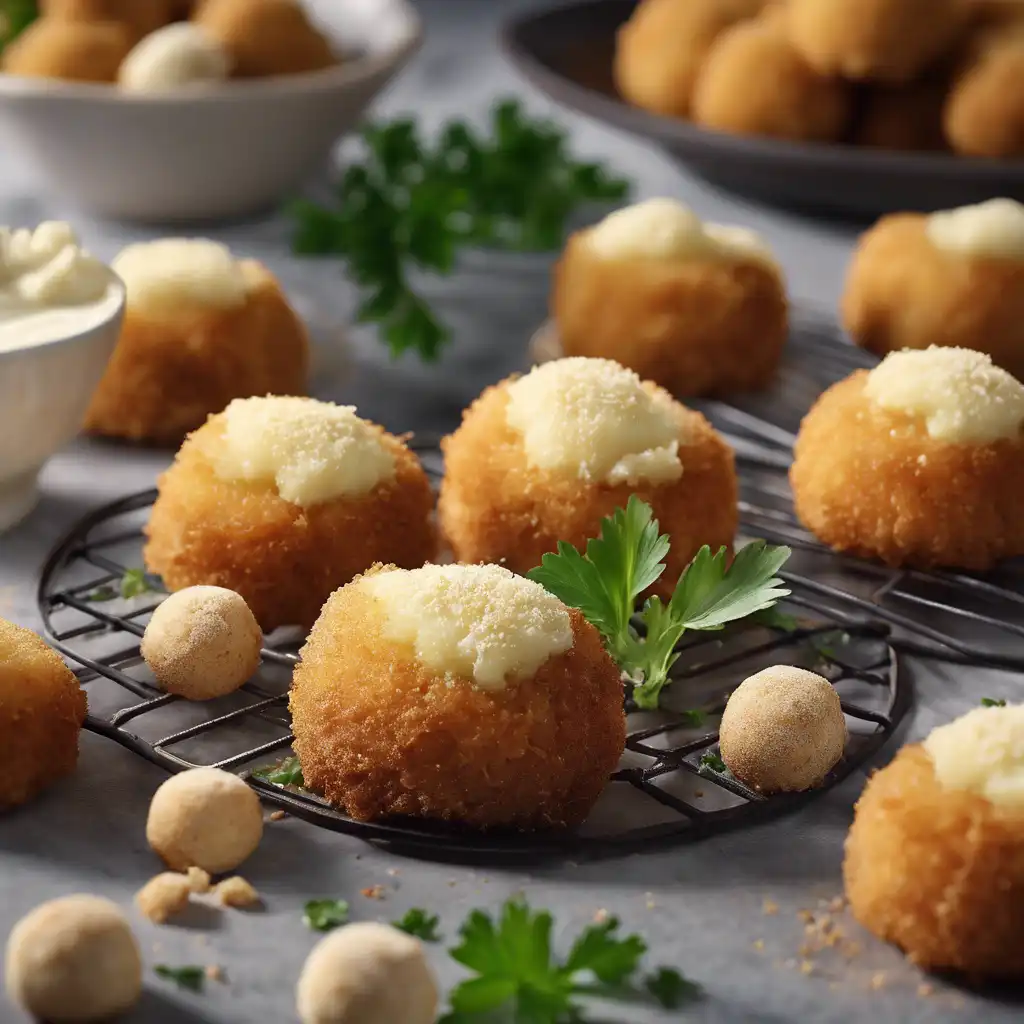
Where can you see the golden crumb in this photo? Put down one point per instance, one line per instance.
(237, 892)
(769, 907)
(373, 892)
(837, 904)
(649, 900)
(198, 880)
(276, 815)
(759, 945)
(163, 895)
(600, 916)
(215, 973)
(806, 967)
(852, 950)
(393, 872)
(924, 990)
(878, 981)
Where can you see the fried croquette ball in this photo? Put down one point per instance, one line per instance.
(140, 17)
(698, 308)
(753, 82)
(547, 457)
(201, 328)
(266, 37)
(935, 856)
(367, 973)
(459, 692)
(175, 57)
(73, 959)
(202, 642)
(917, 462)
(42, 708)
(660, 50)
(75, 51)
(875, 40)
(906, 117)
(783, 730)
(284, 500)
(953, 279)
(205, 818)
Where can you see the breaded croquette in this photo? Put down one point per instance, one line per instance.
(545, 458)
(698, 308)
(917, 463)
(462, 693)
(875, 40)
(42, 708)
(935, 856)
(75, 51)
(140, 16)
(265, 37)
(790, 100)
(201, 328)
(905, 117)
(662, 47)
(954, 279)
(285, 499)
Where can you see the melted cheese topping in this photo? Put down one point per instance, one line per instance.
(594, 419)
(962, 396)
(172, 276)
(982, 752)
(475, 622)
(663, 229)
(311, 451)
(993, 229)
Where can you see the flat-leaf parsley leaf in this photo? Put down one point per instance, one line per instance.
(420, 924)
(191, 978)
(323, 915)
(287, 773)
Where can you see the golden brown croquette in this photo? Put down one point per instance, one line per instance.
(380, 734)
(790, 100)
(662, 47)
(938, 872)
(140, 17)
(906, 117)
(902, 291)
(283, 558)
(42, 708)
(76, 51)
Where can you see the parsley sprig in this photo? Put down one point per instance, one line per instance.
(190, 977)
(285, 773)
(15, 17)
(325, 915)
(992, 702)
(134, 583)
(411, 203)
(420, 924)
(605, 582)
(517, 972)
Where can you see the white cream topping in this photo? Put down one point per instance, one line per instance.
(982, 752)
(664, 229)
(311, 451)
(174, 57)
(475, 622)
(962, 396)
(994, 229)
(174, 276)
(594, 419)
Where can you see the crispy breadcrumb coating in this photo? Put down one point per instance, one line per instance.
(379, 735)
(140, 16)
(903, 292)
(75, 51)
(938, 872)
(874, 483)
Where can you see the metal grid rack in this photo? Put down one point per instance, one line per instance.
(660, 790)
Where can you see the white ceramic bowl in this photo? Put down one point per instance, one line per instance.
(44, 393)
(221, 152)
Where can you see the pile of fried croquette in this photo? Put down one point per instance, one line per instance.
(162, 45)
(924, 75)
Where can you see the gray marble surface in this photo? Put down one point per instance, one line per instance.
(702, 907)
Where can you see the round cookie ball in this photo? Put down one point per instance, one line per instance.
(953, 279)
(75, 51)
(875, 40)
(202, 643)
(367, 973)
(661, 49)
(201, 328)
(460, 693)
(783, 730)
(204, 818)
(42, 708)
(73, 960)
(917, 463)
(140, 17)
(905, 118)
(699, 308)
(178, 56)
(791, 100)
(284, 500)
(935, 856)
(547, 457)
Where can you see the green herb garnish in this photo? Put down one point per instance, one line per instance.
(517, 973)
(712, 762)
(15, 17)
(286, 773)
(412, 204)
(825, 643)
(191, 978)
(625, 560)
(104, 593)
(991, 702)
(134, 583)
(775, 618)
(418, 923)
(323, 915)
(670, 988)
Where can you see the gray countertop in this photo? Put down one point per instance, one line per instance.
(702, 907)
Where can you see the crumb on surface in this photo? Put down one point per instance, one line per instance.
(924, 990)
(276, 815)
(393, 872)
(237, 892)
(600, 915)
(769, 907)
(163, 896)
(373, 892)
(806, 966)
(215, 973)
(198, 880)
(878, 981)
(759, 945)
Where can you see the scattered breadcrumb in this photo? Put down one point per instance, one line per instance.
(163, 895)
(649, 898)
(215, 973)
(237, 892)
(769, 907)
(393, 872)
(924, 990)
(600, 916)
(759, 945)
(373, 892)
(806, 967)
(878, 981)
(277, 815)
(198, 880)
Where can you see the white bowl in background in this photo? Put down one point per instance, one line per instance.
(212, 153)
(45, 390)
